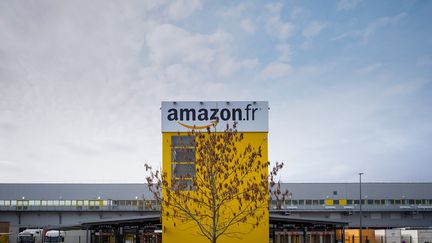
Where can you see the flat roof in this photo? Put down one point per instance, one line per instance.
(155, 218)
(276, 218)
(150, 218)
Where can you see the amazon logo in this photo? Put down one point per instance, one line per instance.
(204, 114)
(251, 116)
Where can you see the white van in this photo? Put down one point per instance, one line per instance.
(54, 236)
(30, 236)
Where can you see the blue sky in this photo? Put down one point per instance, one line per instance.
(348, 83)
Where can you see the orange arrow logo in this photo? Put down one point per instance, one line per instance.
(194, 127)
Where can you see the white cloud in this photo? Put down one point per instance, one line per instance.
(406, 88)
(313, 29)
(282, 31)
(372, 28)
(230, 65)
(285, 52)
(274, 8)
(248, 26)
(87, 74)
(370, 68)
(237, 10)
(276, 70)
(279, 29)
(169, 45)
(180, 9)
(275, 26)
(347, 4)
(297, 12)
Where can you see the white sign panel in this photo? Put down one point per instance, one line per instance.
(184, 116)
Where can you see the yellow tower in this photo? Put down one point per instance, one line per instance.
(179, 163)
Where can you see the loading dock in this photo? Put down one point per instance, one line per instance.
(148, 229)
(286, 229)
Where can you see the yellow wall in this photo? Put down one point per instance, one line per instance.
(175, 231)
(329, 201)
(349, 233)
(4, 230)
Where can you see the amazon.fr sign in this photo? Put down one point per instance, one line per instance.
(250, 116)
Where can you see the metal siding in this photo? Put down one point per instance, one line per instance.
(77, 191)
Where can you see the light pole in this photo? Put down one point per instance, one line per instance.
(360, 203)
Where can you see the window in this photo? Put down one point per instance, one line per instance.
(301, 202)
(370, 201)
(183, 170)
(184, 184)
(377, 202)
(183, 141)
(321, 202)
(349, 202)
(183, 158)
(336, 202)
(308, 202)
(315, 202)
(183, 154)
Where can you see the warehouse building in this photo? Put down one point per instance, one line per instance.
(384, 206)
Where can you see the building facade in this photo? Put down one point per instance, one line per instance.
(384, 205)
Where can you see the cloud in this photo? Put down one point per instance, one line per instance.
(298, 12)
(279, 29)
(370, 68)
(347, 4)
(274, 8)
(10, 166)
(285, 52)
(276, 70)
(74, 75)
(180, 9)
(282, 31)
(237, 10)
(169, 46)
(372, 28)
(313, 29)
(248, 26)
(405, 88)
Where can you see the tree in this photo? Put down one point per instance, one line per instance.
(229, 186)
